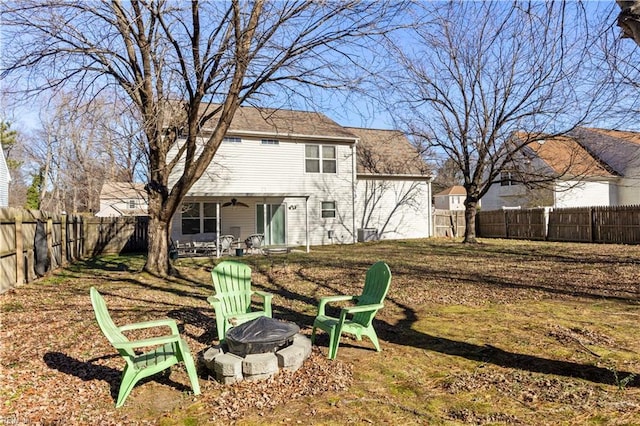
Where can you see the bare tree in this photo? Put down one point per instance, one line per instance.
(77, 153)
(183, 64)
(475, 73)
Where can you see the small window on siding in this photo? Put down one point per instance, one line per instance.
(270, 142)
(132, 204)
(328, 209)
(231, 139)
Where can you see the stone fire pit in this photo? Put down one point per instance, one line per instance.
(257, 349)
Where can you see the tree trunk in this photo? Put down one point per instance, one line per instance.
(471, 205)
(158, 256)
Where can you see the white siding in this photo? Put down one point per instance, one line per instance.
(584, 194)
(401, 208)
(249, 167)
(4, 181)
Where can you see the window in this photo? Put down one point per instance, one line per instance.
(270, 142)
(328, 209)
(320, 159)
(509, 178)
(132, 204)
(198, 218)
(231, 139)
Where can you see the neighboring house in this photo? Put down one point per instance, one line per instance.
(5, 178)
(451, 198)
(123, 199)
(594, 167)
(300, 179)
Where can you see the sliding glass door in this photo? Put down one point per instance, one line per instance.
(271, 221)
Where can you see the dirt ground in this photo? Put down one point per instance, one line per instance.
(503, 332)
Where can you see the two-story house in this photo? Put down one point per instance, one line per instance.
(588, 167)
(5, 178)
(451, 198)
(123, 199)
(299, 178)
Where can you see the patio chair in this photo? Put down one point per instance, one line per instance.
(356, 320)
(232, 301)
(226, 243)
(254, 242)
(168, 350)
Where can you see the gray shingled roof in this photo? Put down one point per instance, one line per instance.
(285, 123)
(387, 152)
(615, 148)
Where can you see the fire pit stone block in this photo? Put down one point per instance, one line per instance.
(304, 342)
(228, 368)
(210, 356)
(291, 357)
(266, 363)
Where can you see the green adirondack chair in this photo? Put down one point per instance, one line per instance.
(356, 320)
(169, 350)
(232, 301)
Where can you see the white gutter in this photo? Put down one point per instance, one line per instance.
(298, 136)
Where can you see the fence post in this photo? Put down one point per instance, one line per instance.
(506, 224)
(63, 239)
(591, 224)
(19, 251)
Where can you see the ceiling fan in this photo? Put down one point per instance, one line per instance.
(234, 202)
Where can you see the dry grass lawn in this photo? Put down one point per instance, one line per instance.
(503, 332)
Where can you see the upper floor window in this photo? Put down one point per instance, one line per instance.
(509, 178)
(320, 159)
(231, 139)
(270, 142)
(132, 204)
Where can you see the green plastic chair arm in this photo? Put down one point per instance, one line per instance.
(154, 341)
(151, 324)
(360, 308)
(265, 295)
(330, 299)
(213, 300)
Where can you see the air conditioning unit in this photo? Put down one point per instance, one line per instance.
(367, 234)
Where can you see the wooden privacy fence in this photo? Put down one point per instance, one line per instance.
(448, 223)
(33, 242)
(615, 224)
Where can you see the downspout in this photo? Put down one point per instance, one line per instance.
(430, 225)
(354, 163)
(218, 230)
(306, 220)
